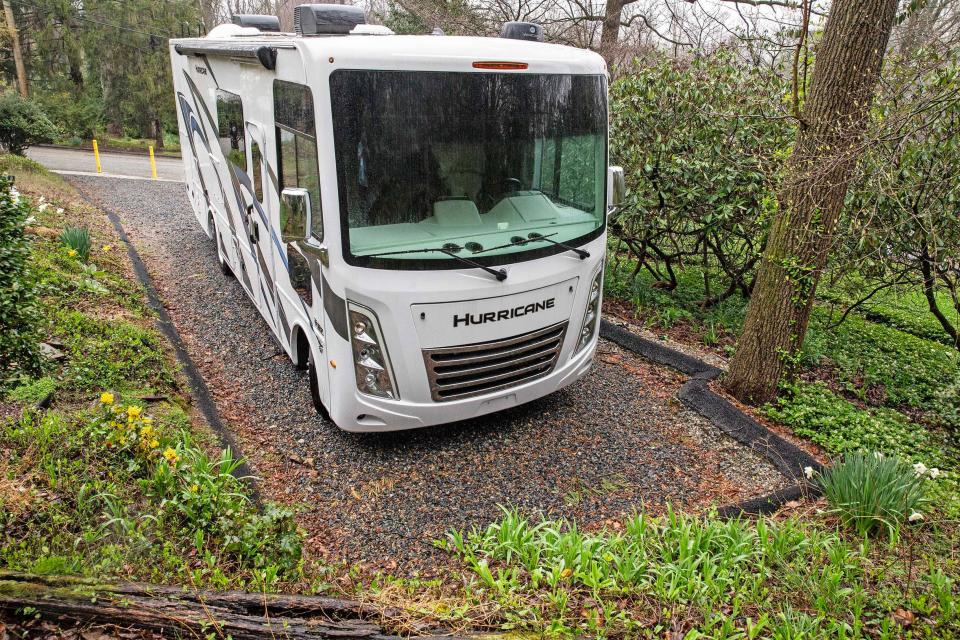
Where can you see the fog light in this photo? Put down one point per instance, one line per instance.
(370, 362)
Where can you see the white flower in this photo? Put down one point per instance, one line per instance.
(916, 516)
(934, 473)
(42, 199)
(59, 209)
(878, 455)
(920, 469)
(42, 207)
(808, 471)
(29, 221)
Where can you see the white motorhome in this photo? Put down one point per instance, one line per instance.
(421, 220)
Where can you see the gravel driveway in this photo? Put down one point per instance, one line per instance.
(595, 451)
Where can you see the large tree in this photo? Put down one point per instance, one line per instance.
(820, 168)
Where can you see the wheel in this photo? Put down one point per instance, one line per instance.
(315, 391)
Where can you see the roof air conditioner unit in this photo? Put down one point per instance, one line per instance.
(326, 19)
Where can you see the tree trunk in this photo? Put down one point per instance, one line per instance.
(825, 155)
(157, 134)
(930, 293)
(610, 33)
(192, 614)
(17, 53)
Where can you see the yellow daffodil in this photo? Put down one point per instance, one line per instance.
(106, 398)
(170, 455)
(146, 430)
(72, 253)
(133, 411)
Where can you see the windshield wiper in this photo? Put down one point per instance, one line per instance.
(534, 236)
(499, 274)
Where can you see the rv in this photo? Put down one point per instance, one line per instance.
(420, 220)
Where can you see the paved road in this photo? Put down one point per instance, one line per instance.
(115, 164)
(596, 451)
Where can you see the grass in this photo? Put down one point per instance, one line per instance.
(171, 144)
(103, 483)
(695, 577)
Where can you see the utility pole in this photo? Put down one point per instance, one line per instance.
(17, 54)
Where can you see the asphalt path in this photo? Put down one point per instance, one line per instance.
(121, 165)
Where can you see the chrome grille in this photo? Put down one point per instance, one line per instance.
(473, 369)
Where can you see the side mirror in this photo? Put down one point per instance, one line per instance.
(295, 215)
(618, 189)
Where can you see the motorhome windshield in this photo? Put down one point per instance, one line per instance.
(474, 163)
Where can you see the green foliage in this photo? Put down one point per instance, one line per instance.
(80, 116)
(32, 391)
(871, 492)
(19, 312)
(902, 224)
(109, 353)
(813, 411)
(692, 577)
(889, 366)
(946, 404)
(13, 165)
(702, 159)
(131, 495)
(23, 123)
(662, 309)
(78, 239)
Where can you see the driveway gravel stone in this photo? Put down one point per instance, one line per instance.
(614, 442)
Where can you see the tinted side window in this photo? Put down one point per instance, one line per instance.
(297, 144)
(230, 125)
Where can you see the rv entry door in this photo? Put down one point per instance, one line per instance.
(259, 214)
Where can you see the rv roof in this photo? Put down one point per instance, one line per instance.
(403, 52)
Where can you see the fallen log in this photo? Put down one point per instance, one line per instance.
(181, 612)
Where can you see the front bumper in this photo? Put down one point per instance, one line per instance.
(361, 413)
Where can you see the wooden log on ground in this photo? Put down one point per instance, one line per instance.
(179, 612)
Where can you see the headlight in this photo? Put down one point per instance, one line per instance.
(591, 316)
(370, 361)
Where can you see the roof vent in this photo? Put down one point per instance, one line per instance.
(522, 31)
(325, 19)
(261, 22)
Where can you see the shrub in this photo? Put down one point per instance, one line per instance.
(871, 492)
(19, 312)
(813, 411)
(77, 239)
(23, 123)
(79, 116)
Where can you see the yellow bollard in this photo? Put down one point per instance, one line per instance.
(153, 164)
(96, 155)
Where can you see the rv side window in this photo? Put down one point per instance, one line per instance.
(297, 144)
(230, 125)
(257, 171)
